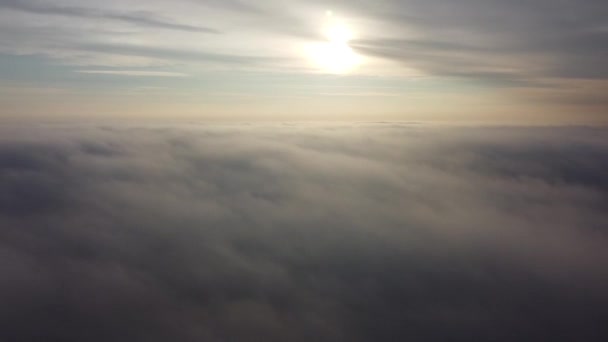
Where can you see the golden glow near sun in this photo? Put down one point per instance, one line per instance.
(335, 56)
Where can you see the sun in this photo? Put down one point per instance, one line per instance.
(334, 55)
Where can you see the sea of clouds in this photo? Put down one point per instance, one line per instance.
(303, 232)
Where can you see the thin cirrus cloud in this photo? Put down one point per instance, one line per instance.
(140, 18)
(534, 39)
(142, 73)
(180, 55)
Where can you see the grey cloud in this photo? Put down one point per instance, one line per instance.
(59, 43)
(235, 5)
(449, 59)
(172, 54)
(539, 38)
(140, 18)
(270, 232)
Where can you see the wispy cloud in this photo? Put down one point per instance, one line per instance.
(144, 73)
(491, 40)
(173, 54)
(140, 18)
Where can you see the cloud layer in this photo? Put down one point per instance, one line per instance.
(355, 232)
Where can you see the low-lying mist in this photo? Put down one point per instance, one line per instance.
(303, 232)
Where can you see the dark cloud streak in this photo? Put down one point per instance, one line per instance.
(539, 38)
(139, 18)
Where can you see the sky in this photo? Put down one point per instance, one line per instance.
(347, 170)
(514, 62)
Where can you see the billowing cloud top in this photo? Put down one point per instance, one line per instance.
(354, 232)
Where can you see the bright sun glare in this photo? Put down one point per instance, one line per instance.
(335, 56)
